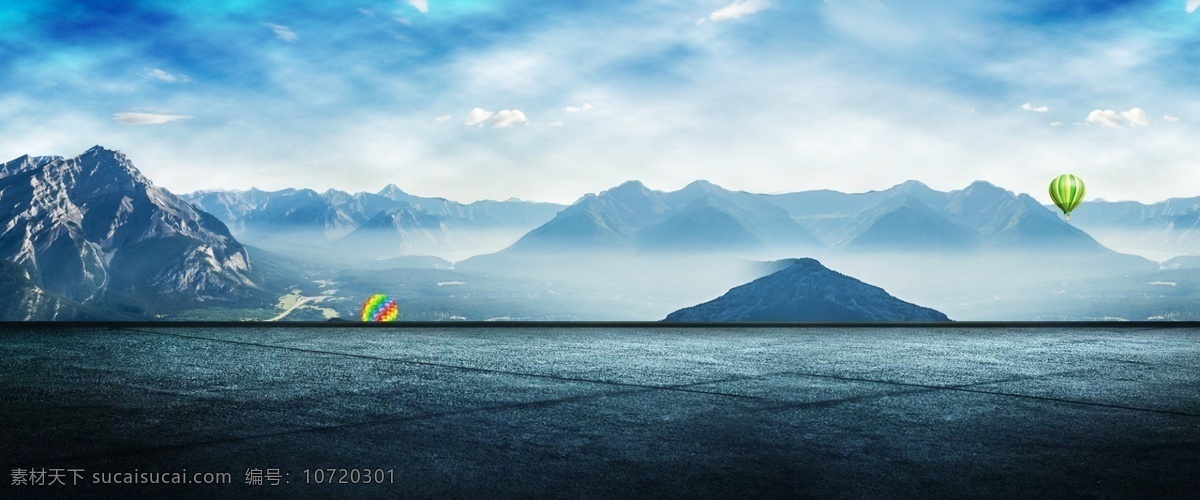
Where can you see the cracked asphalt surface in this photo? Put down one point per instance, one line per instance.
(610, 412)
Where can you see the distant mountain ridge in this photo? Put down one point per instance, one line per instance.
(911, 216)
(699, 217)
(1170, 226)
(806, 291)
(703, 217)
(390, 218)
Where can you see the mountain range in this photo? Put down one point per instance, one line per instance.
(699, 218)
(805, 290)
(91, 233)
(911, 216)
(703, 217)
(1169, 227)
(388, 223)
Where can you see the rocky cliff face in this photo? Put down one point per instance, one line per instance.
(93, 229)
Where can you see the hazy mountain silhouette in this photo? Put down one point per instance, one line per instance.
(1168, 227)
(905, 222)
(701, 217)
(805, 290)
(386, 223)
(913, 217)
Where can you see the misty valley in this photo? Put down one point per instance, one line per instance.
(91, 238)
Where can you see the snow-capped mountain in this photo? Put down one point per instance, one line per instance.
(93, 229)
(805, 290)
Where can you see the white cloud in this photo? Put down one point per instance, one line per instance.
(367, 12)
(162, 75)
(575, 109)
(1030, 107)
(556, 124)
(167, 77)
(735, 10)
(508, 118)
(499, 119)
(477, 116)
(1136, 117)
(1192, 5)
(421, 5)
(1056, 124)
(441, 119)
(146, 118)
(283, 32)
(1107, 118)
(1173, 119)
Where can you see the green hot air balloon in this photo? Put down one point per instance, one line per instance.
(1067, 191)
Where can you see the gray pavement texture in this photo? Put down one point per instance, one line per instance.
(605, 412)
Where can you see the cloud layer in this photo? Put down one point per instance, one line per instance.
(477, 117)
(737, 9)
(1106, 117)
(567, 98)
(146, 118)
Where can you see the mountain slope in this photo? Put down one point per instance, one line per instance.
(907, 223)
(606, 221)
(22, 300)
(405, 231)
(92, 229)
(300, 211)
(806, 291)
(25, 163)
(1005, 220)
(229, 206)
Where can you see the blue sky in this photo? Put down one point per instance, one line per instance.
(548, 100)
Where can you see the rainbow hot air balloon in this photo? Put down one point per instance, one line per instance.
(380, 308)
(1067, 191)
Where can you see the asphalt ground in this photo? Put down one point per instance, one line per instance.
(596, 412)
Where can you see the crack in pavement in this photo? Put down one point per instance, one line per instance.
(680, 388)
(966, 388)
(959, 388)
